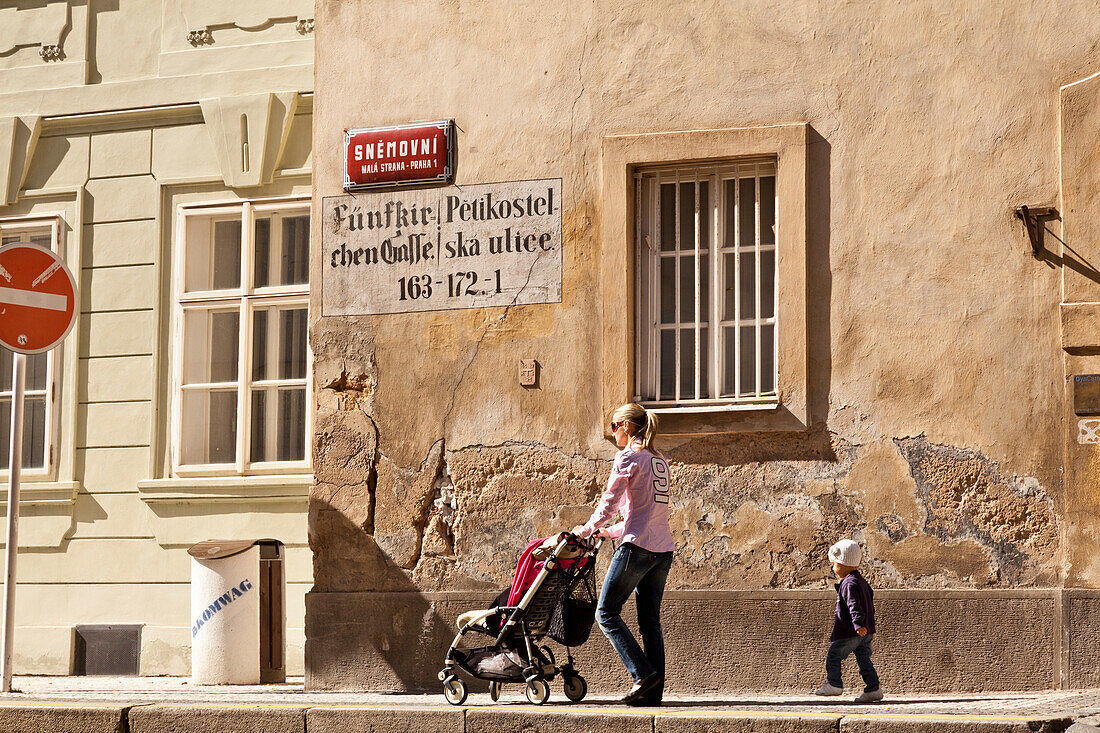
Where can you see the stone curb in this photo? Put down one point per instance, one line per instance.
(212, 718)
(243, 718)
(63, 718)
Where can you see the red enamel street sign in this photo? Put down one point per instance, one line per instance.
(401, 155)
(37, 299)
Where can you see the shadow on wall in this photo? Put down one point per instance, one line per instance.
(97, 9)
(367, 625)
(819, 277)
(1069, 258)
(813, 442)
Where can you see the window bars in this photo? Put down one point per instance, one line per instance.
(706, 284)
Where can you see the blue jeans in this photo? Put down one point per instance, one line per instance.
(839, 651)
(639, 571)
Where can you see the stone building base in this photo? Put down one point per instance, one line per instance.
(728, 641)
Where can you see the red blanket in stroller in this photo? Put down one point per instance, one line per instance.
(529, 567)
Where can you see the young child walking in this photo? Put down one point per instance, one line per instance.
(853, 626)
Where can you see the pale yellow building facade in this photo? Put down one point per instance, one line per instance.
(164, 149)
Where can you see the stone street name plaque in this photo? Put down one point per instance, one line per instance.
(1086, 394)
(494, 244)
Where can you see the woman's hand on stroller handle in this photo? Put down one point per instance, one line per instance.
(591, 542)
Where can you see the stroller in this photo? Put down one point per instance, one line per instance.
(560, 603)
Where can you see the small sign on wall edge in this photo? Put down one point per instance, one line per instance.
(395, 156)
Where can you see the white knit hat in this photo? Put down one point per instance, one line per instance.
(846, 552)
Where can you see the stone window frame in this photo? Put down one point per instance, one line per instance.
(714, 245)
(25, 225)
(622, 156)
(247, 297)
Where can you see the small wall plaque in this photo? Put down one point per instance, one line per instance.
(1086, 394)
(528, 373)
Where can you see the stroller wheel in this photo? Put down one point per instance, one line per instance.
(575, 688)
(538, 691)
(494, 691)
(454, 690)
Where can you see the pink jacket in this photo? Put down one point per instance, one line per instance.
(639, 488)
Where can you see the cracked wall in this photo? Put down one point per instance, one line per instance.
(928, 515)
(935, 367)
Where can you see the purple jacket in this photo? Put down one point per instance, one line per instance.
(855, 606)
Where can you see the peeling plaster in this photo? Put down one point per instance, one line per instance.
(965, 497)
(352, 391)
(927, 515)
(403, 502)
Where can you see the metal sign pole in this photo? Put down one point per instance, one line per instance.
(15, 463)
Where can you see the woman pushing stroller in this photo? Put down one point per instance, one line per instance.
(554, 597)
(638, 488)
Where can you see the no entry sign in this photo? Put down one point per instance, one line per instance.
(37, 309)
(37, 299)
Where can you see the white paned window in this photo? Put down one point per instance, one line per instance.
(38, 392)
(706, 285)
(242, 362)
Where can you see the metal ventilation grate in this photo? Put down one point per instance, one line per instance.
(107, 649)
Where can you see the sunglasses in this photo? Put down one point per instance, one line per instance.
(616, 425)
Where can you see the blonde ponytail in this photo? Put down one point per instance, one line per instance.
(643, 422)
(650, 432)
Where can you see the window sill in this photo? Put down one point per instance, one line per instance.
(232, 489)
(664, 409)
(42, 493)
(696, 421)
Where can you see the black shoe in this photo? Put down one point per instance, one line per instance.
(652, 700)
(644, 689)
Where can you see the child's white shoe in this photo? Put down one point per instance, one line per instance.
(827, 690)
(872, 696)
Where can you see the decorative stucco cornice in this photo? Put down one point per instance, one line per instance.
(206, 17)
(50, 52)
(200, 37)
(249, 133)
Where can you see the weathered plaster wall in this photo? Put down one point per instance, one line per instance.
(936, 375)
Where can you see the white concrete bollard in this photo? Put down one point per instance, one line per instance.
(225, 614)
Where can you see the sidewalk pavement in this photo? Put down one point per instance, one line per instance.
(173, 704)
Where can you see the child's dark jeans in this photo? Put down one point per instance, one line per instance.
(839, 651)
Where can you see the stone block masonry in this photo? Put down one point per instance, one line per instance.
(64, 718)
(216, 719)
(731, 641)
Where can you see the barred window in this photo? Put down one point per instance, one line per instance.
(706, 284)
(242, 360)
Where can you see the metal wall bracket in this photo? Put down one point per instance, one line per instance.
(1034, 219)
